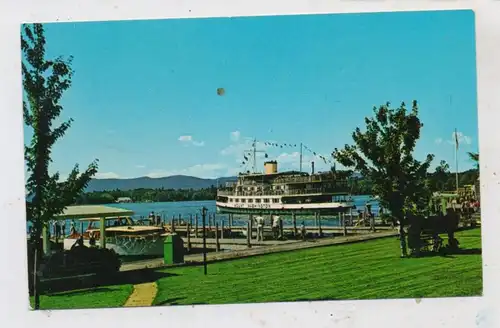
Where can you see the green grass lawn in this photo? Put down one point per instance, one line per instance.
(101, 297)
(365, 270)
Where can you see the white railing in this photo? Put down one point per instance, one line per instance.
(281, 192)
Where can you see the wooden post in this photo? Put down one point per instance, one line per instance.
(281, 228)
(222, 229)
(102, 237)
(217, 245)
(180, 219)
(294, 216)
(196, 226)
(81, 228)
(173, 223)
(204, 214)
(249, 244)
(344, 225)
(319, 224)
(209, 221)
(191, 220)
(251, 226)
(188, 234)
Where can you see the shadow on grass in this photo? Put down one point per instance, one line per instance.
(170, 301)
(82, 292)
(449, 253)
(95, 282)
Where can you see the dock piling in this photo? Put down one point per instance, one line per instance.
(222, 229)
(281, 229)
(196, 226)
(188, 234)
(191, 220)
(172, 224)
(217, 244)
(318, 215)
(251, 226)
(344, 225)
(248, 235)
(294, 216)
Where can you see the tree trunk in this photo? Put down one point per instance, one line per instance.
(37, 256)
(36, 277)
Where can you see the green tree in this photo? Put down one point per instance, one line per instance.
(474, 157)
(440, 176)
(384, 155)
(44, 83)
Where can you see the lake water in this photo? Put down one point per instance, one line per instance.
(168, 210)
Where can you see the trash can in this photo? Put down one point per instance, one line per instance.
(173, 249)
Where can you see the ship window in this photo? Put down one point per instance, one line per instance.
(250, 200)
(275, 200)
(258, 200)
(266, 200)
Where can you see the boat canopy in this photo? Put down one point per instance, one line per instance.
(90, 212)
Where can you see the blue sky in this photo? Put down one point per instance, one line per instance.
(144, 95)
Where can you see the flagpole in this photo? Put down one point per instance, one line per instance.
(456, 159)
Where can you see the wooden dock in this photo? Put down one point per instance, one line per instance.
(288, 246)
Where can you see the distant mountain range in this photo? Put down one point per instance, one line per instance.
(171, 182)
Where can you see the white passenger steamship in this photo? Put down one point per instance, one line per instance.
(276, 193)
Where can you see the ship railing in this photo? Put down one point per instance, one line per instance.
(312, 179)
(280, 192)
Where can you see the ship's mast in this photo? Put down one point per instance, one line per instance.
(254, 153)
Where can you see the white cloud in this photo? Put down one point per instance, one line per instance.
(200, 170)
(185, 138)
(235, 136)
(439, 141)
(106, 175)
(199, 143)
(140, 166)
(188, 140)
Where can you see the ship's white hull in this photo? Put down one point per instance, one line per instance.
(330, 207)
(127, 246)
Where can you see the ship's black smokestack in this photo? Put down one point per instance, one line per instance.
(312, 167)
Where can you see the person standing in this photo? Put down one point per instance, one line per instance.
(260, 228)
(275, 226)
(303, 230)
